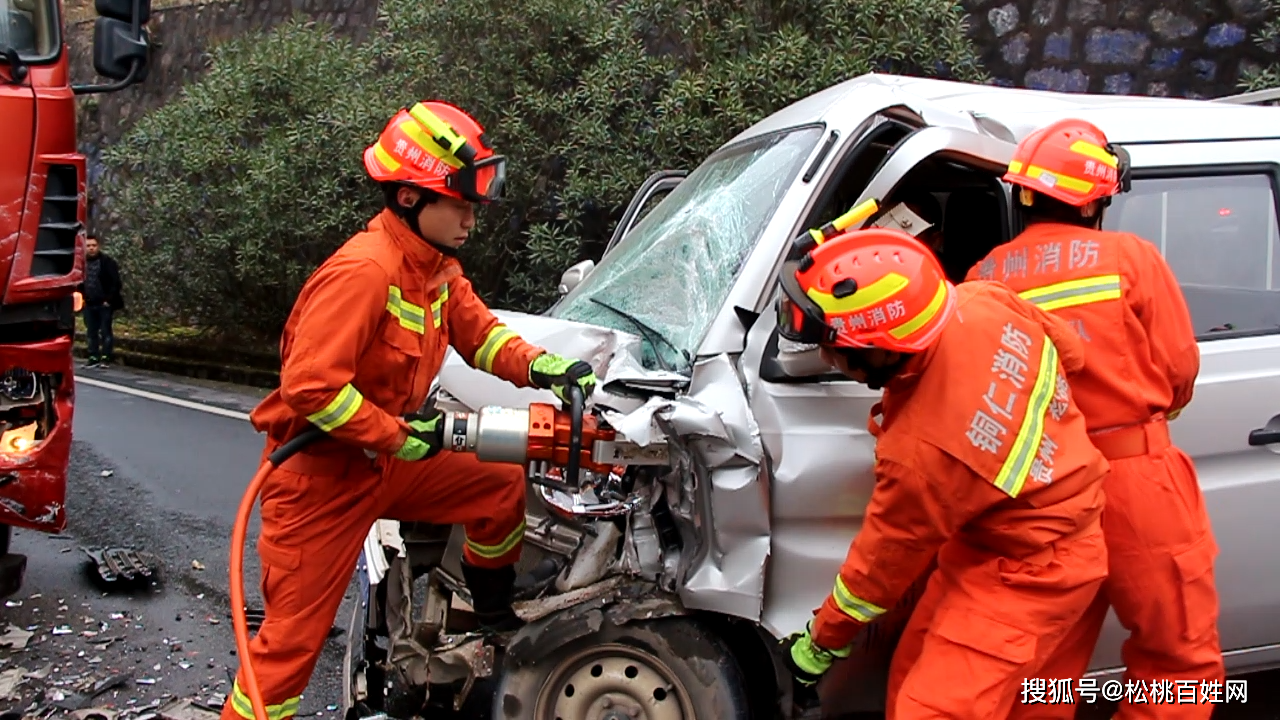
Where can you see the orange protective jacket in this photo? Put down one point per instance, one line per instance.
(369, 333)
(979, 442)
(1121, 297)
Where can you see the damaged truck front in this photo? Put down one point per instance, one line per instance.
(42, 224)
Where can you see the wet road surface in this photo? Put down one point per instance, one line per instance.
(173, 481)
(167, 480)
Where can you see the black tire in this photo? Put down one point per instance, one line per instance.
(669, 669)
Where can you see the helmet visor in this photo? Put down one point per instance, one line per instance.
(799, 319)
(482, 182)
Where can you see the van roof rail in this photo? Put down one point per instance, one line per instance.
(1257, 97)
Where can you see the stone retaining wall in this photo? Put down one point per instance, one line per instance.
(1185, 48)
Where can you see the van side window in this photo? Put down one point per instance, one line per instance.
(1219, 234)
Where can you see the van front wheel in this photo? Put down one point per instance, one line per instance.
(669, 669)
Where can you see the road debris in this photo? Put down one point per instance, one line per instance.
(197, 565)
(15, 637)
(10, 680)
(122, 564)
(189, 709)
(107, 473)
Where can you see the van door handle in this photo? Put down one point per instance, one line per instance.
(1264, 436)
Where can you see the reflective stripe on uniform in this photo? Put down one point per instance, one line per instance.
(852, 605)
(244, 707)
(339, 411)
(1074, 292)
(500, 335)
(437, 303)
(496, 551)
(411, 317)
(1022, 454)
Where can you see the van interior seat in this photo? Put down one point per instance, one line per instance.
(971, 227)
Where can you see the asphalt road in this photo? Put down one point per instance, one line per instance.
(174, 480)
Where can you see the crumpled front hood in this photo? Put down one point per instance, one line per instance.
(613, 354)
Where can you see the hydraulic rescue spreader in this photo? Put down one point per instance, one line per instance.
(540, 436)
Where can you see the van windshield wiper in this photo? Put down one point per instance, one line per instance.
(17, 68)
(649, 334)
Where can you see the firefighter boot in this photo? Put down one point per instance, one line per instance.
(491, 596)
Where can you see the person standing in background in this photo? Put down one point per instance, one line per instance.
(102, 298)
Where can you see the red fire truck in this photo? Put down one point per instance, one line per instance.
(42, 232)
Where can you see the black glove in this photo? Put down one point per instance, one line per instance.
(807, 663)
(556, 373)
(426, 436)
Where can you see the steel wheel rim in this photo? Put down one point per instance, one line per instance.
(613, 682)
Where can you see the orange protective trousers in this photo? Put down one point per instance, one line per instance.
(316, 513)
(985, 623)
(1141, 363)
(1160, 581)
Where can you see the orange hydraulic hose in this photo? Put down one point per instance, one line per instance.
(239, 531)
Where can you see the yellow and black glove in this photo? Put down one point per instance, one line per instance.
(806, 660)
(556, 373)
(426, 436)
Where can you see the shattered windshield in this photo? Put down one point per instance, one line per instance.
(30, 27)
(668, 278)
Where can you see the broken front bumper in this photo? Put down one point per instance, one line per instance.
(37, 392)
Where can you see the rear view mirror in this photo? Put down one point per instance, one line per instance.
(115, 46)
(575, 275)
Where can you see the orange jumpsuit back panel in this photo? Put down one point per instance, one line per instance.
(982, 459)
(366, 337)
(1141, 363)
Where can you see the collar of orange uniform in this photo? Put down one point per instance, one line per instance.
(428, 261)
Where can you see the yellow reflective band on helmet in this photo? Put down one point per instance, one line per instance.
(924, 316)
(243, 706)
(852, 605)
(385, 158)
(874, 294)
(1065, 181)
(424, 141)
(1074, 292)
(336, 414)
(1022, 454)
(411, 317)
(1090, 150)
(442, 135)
(500, 335)
(496, 551)
(437, 303)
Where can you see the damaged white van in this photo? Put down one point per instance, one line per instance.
(668, 583)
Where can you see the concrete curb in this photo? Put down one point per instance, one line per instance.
(191, 360)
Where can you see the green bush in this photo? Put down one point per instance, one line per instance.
(1268, 38)
(241, 186)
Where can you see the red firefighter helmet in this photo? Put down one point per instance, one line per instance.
(1071, 161)
(877, 287)
(437, 146)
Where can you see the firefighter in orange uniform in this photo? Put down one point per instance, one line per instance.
(366, 338)
(982, 459)
(1141, 363)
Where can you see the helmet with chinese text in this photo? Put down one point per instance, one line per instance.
(1070, 161)
(877, 287)
(439, 147)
